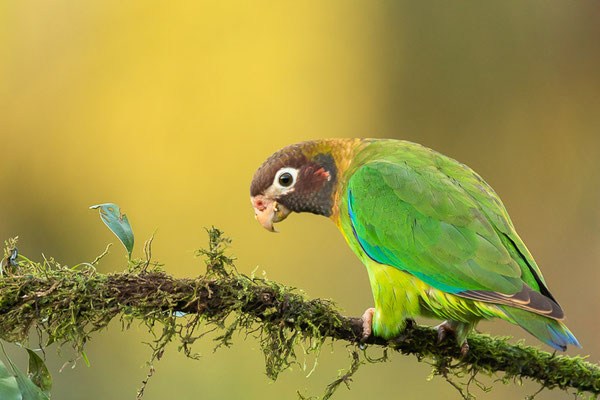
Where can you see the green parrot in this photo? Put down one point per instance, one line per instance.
(434, 236)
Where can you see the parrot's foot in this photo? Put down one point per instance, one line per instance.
(367, 324)
(451, 327)
(464, 350)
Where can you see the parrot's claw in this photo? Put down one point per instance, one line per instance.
(446, 328)
(367, 324)
(464, 350)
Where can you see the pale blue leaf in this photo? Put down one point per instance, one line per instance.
(28, 389)
(9, 389)
(118, 223)
(38, 372)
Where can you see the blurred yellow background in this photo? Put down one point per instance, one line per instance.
(168, 108)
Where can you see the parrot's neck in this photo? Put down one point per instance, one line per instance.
(343, 152)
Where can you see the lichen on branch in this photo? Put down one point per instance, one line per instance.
(67, 305)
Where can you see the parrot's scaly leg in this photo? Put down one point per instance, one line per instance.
(367, 323)
(459, 330)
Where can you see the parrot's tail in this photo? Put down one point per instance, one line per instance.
(548, 330)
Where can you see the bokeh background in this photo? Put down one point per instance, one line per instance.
(168, 108)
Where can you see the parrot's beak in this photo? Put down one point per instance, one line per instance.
(268, 211)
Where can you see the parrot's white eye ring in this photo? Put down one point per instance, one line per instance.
(285, 178)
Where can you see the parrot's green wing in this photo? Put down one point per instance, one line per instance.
(439, 221)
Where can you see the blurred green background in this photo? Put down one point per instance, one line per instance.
(168, 108)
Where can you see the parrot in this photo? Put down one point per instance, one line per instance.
(435, 238)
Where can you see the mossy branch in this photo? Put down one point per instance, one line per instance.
(67, 305)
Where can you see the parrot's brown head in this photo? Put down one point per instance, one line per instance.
(298, 178)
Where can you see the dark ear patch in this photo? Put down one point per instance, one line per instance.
(316, 173)
(328, 167)
(315, 187)
(311, 178)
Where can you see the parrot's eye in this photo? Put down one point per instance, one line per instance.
(286, 179)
